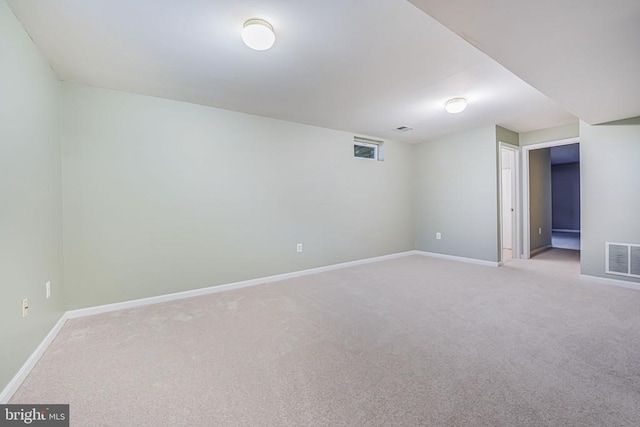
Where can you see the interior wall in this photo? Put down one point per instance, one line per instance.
(540, 212)
(508, 136)
(456, 194)
(556, 133)
(162, 196)
(30, 190)
(565, 183)
(610, 179)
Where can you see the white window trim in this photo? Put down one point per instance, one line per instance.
(367, 144)
(378, 153)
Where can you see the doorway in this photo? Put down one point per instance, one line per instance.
(509, 202)
(537, 197)
(565, 197)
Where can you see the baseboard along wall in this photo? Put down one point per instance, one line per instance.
(538, 250)
(24, 371)
(611, 282)
(90, 311)
(459, 259)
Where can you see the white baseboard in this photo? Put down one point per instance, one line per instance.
(537, 251)
(90, 311)
(611, 282)
(459, 258)
(18, 378)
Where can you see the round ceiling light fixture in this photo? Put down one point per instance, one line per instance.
(258, 34)
(455, 105)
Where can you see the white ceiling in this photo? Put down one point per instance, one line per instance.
(364, 66)
(585, 54)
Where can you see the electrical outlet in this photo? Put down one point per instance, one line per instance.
(540, 230)
(438, 236)
(299, 247)
(25, 307)
(47, 287)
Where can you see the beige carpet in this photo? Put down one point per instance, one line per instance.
(412, 341)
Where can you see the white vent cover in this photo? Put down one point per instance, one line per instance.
(623, 259)
(634, 257)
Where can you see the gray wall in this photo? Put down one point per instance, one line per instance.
(30, 191)
(565, 184)
(163, 196)
(456, 194)
(555, 133)
(540, 198)
(505, 135)
(610, 174)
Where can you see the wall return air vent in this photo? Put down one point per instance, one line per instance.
(622, 259)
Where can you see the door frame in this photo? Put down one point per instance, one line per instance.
(515, 182)
(526, 222)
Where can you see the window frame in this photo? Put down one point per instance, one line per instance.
(378, 153)
(368, 145)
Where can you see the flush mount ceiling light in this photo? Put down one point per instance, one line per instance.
(455, 105)
(258, 34)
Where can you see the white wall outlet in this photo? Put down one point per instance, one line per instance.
(299, 247)
(25, 307)
(438, 236)
(47, 287)
(540, 230)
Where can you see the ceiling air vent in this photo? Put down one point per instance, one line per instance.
(622, 259)
(404, 128)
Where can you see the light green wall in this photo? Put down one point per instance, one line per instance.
(456, 194)
(30, 190)
(610, 191)
(163, 196)
(505, 135)
(540, 208)
(556, 133)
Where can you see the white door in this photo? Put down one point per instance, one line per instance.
(507, 210)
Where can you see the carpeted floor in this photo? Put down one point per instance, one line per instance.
(411, 341)
(564, 240)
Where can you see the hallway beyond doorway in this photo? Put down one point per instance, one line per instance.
(565, 240)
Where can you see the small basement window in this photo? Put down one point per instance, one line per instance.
(367, 148)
